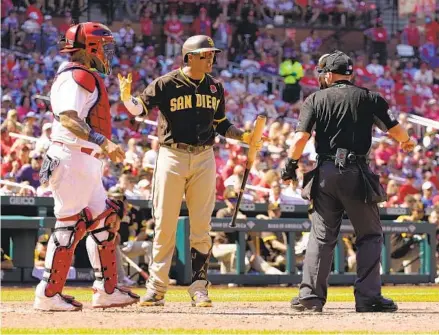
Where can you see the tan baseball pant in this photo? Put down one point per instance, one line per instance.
(179, 173)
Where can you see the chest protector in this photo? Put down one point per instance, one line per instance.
(99, 116)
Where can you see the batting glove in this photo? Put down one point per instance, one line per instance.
(247, 138)
(125, 86)
(289, 171)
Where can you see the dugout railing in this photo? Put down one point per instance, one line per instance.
(426, 274)
(43, 207)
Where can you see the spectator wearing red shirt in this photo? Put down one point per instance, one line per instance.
(6, 141)
(362, 75)
(146, 26)
(408, 100)
(13, 162)
(125, 60)
(220, 188)
(309, 82)
(202, 24)
(383, 152)
(6, 7)
(23, 108)
(431, 30)
(10, 63)
(173, 31)
(407, 188)
(431, 110)
(411, 34)
(150, 54)
(379, 37)
(63, 27)
(33, 8)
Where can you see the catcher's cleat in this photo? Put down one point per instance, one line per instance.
(306, 305)
(152, 299)
(119, 298)
(201, 299)
(57, 303)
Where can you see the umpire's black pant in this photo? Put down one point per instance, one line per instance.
(339, 190)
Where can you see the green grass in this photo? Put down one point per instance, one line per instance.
(181, 331)
(248, 294)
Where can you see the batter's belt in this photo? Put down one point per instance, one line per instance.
(192, 149)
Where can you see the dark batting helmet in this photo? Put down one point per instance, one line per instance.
(197, 44)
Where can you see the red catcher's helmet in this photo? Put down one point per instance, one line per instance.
(97, 41)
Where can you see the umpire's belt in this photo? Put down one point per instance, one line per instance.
(351, 158)
(193, 149)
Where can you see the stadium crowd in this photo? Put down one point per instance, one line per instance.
(30, 63)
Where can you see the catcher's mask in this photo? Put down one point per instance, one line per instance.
(96, 39)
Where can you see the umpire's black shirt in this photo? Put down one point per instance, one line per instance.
(191, 111)
(343, 115)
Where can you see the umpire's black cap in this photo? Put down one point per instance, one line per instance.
(198, 43)
(338, 62)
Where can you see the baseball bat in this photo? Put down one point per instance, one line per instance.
(135, 266)
(257, 134)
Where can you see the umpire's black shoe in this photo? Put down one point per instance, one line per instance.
(379, 304)
(310, 305)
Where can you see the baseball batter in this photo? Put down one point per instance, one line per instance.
(191, 104)
(81, 132)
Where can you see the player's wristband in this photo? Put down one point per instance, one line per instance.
(134, 106)
(96, 138)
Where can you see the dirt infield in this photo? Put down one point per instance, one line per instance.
(273, 316)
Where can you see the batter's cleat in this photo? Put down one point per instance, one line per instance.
(119, 298)
(379, 304)
(152, 299)
(57, 303)
(311, 305)
(201, 299)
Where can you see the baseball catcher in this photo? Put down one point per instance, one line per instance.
(72, 169)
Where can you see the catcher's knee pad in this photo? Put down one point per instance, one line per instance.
(107, 248)
(200, 263)
(63, 254)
